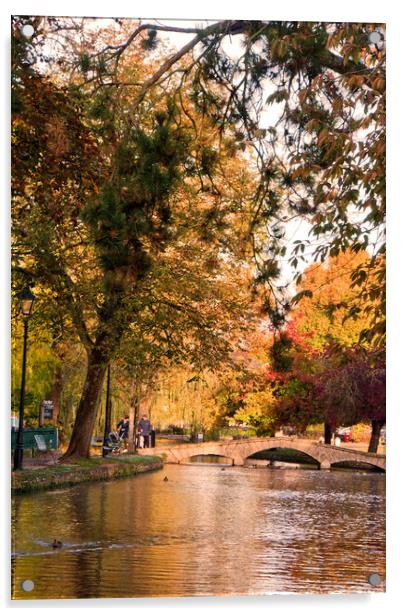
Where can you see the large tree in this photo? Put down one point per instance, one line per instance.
(105, 246)
(324, 298)
(355, 391)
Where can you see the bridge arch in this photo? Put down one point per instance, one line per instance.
(207, 458)
(292, 454)
(244, 450)
(348, 463)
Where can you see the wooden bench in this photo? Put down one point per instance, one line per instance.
(43, 448)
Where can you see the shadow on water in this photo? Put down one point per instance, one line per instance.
(211, 459)
(281, 457)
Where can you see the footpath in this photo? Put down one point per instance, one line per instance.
(31, 479)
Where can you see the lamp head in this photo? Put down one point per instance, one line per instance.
(27, 300)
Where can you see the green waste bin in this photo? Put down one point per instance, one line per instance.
(49, 434)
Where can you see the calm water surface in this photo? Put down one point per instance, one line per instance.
(206, 531)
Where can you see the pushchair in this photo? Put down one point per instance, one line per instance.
(114, 443)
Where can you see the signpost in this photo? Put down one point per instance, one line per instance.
(48, 407)
(46, 411)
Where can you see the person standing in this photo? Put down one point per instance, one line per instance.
(144, 429)
(123, 427)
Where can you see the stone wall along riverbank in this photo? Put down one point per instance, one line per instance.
(93, 469)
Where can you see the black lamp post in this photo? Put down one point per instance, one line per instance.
(108, 413)
(27, 300)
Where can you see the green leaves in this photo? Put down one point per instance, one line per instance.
(151, 41)
(84, 62)
(299, 296)
(209, 160)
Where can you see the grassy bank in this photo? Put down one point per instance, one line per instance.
(93, 469)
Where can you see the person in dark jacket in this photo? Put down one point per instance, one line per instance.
(144, 429)
(123, 428)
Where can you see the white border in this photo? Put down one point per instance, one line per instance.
(341, 10)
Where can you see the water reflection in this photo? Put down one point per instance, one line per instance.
(203, 532)
(209, 459)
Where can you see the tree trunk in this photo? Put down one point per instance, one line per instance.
(376, 425)
(66, 416)
(55, 393)
(86, 413)
(327, 434)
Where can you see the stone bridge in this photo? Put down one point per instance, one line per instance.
(239, 450)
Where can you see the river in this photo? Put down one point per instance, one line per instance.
(205, 531)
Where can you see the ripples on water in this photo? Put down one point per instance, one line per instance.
(203, 532)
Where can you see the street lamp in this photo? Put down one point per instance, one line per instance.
(108, 413)
(27, 300)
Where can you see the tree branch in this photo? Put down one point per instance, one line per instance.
(228, 27)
